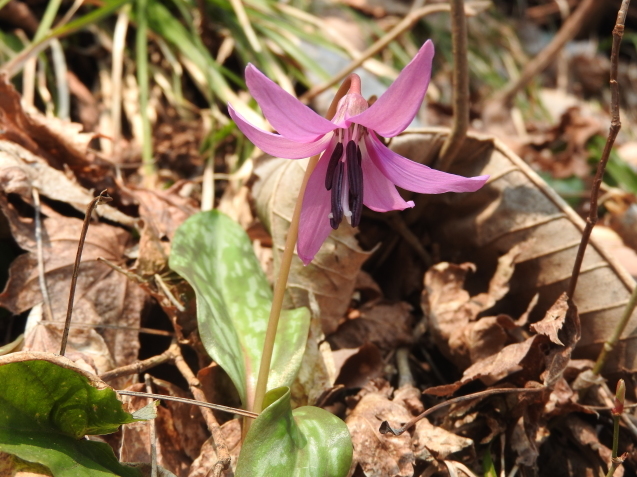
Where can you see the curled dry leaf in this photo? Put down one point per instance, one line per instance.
(377, 454)
(21, 170)
(515, 207)
(103, 296)
(552, 323)
(430, 440)
(58, 141)
(526, 356)
(332, 274)
(452, 313)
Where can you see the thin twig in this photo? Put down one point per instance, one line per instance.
(405, 24)
(140, 366)
(223, 456)
(456, 137)
(533, 68)
(615, 125)
(100, 199)
(194, 402)
(385, 428)
(48, 310)
(168, 293)
(152, 431)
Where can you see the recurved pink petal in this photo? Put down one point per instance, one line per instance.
(291, 118)
(417, 177)
(278, 145)
(379, 194)
(397, 107)
(314, 226)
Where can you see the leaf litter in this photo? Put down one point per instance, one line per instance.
(488, 312)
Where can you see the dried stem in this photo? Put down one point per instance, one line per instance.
(48, 310)
(615, 125)
(139, 367)
(223, 456)
(569, 29)
(284, 271)
(454, 141)
(100, 199)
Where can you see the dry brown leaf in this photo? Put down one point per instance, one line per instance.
(202, 465)
(332, 274)
(20, 171)
(452, 313)
(59, 142)
(380, 455)
(552, 322)
(360, 365)
(385, 325)
(514, 207)
(103, 296)
(12, 466)
(436, 441)
(515, 357)
(180, 431)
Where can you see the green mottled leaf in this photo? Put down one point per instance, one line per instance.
(214, 254)
(306, 442)
(47, 406)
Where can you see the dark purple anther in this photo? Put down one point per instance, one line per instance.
(354, 169)
(331, 167)
(337, 191)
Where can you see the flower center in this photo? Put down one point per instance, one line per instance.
(344, 177)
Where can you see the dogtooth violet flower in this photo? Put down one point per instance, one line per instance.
(355, 168)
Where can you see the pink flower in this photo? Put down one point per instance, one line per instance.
(356, 168)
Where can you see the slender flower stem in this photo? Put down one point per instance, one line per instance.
(284, 271)
(454, 141)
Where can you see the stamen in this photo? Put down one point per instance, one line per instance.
(355, 200)
(337, 190)
(331, 167)
(354, 170)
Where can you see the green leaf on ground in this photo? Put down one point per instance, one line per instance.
(619, 172)
(215, 255)
(305, 442)
(47, 406)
